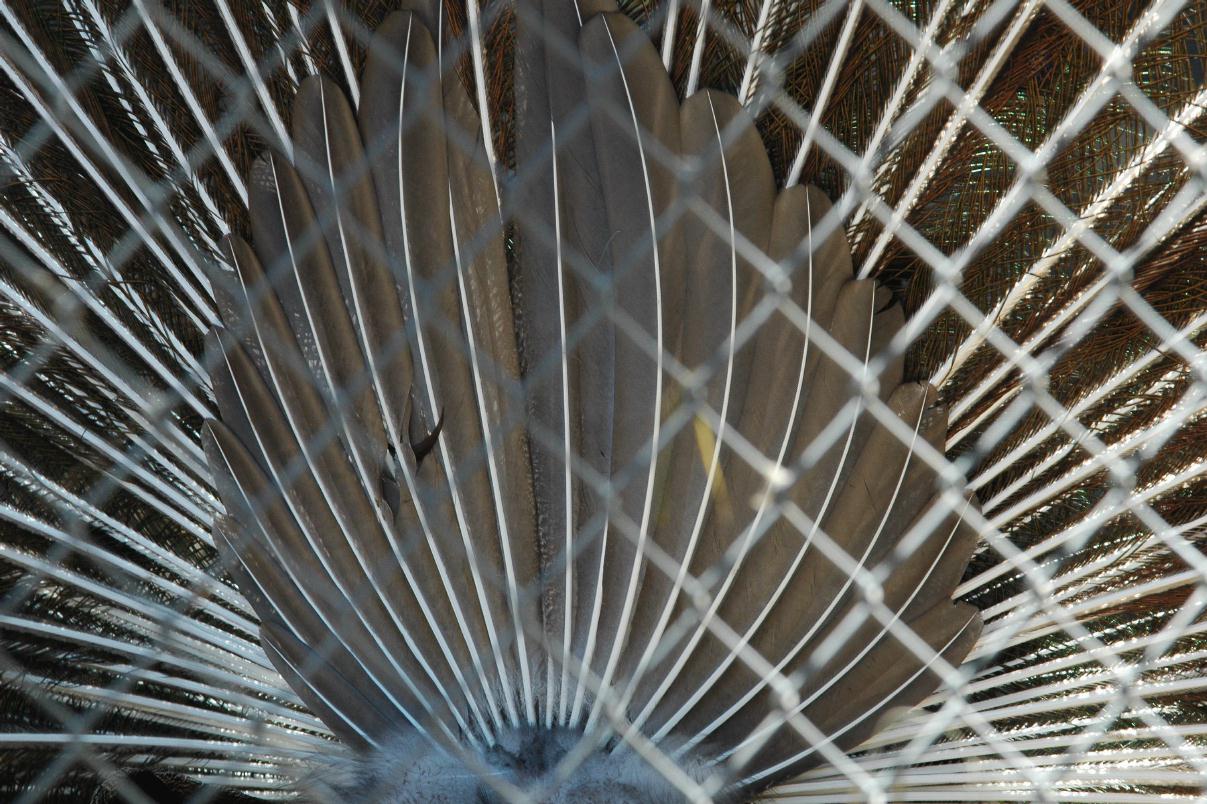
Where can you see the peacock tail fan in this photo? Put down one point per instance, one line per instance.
(568, 402)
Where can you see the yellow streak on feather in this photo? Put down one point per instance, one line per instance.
(706, 443)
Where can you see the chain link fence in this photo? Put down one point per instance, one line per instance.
(1024, 181)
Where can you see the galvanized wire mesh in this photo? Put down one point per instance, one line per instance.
(1127, 730)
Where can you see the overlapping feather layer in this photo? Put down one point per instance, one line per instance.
(682, 547)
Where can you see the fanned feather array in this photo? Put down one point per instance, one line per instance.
(410, 592)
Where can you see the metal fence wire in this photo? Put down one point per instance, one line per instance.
(603, 400)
